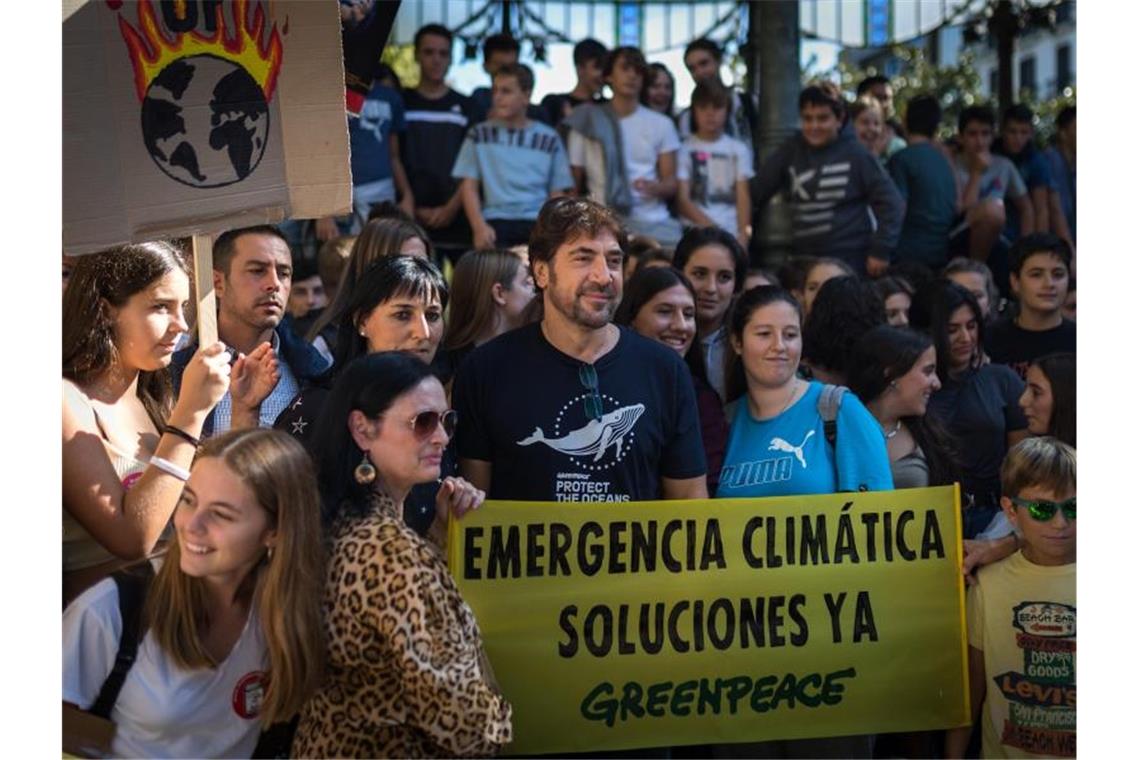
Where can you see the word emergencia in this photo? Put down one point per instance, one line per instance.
(651, 616)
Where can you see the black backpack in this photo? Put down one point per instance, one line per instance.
(133, 583)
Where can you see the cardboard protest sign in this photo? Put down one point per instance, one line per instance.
(196, 116)
(732, 620)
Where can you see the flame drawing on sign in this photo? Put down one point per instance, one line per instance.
(151, 52)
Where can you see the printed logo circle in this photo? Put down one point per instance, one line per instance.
(249, 694)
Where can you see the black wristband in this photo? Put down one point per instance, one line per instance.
(182, 434)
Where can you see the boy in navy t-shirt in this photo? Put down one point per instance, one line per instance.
(575, 408)
(437, 121)
(518, 164)
(1039, 279)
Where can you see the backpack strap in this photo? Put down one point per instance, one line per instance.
(829, 400)
(133, 583)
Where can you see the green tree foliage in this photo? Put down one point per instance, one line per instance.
(402, 60)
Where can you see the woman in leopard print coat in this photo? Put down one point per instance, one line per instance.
(407, 672)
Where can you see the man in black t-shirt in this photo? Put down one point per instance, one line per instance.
(1040, 267)
(437, 120)
(574, 408)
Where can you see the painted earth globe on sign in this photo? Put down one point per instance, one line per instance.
(205, 121)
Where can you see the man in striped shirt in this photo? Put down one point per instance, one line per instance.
(843, 204)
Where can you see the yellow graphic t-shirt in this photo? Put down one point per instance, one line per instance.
(1024, 618)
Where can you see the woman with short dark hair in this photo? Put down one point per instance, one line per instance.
(396, 305)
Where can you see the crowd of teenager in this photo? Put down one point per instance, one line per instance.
(254, 543)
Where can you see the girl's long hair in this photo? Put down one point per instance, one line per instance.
(472, 308)
(1060, 369)
(883, 355)
(379, 238)
(284, 591)
(98, 283)
(930, 312)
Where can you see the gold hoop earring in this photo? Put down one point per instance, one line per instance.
(365, 472)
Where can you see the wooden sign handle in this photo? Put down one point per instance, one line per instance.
(204, 285)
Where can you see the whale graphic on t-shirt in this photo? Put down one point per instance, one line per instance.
(779, 444)
(595, 436)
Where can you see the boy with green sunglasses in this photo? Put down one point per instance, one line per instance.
(1022, 614)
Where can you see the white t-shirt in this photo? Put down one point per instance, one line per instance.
(712, 170)
(645, 135)
(163, 710)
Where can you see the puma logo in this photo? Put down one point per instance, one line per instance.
(779, 444)
(595, 436)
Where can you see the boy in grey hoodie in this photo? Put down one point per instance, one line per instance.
(830, 181)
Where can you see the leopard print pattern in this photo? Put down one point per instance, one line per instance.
(404, 659)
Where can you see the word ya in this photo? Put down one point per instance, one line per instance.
(720, 624)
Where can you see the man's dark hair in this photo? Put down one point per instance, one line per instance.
(588, 50)
(1066, 117)
(1018, 112)
(564, 218)
(705, 44)
(632, 55)
(439, 30)
(226, 244)
(866, 85)
(1039, 242)
(923, 114)
(824, 94)
(522, 74)
(500, 43)
(984, 114)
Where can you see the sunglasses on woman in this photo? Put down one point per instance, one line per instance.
(425, 423)
(1042, 510)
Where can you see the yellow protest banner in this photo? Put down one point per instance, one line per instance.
(732, 620)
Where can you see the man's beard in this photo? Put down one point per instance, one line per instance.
(578, 313)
